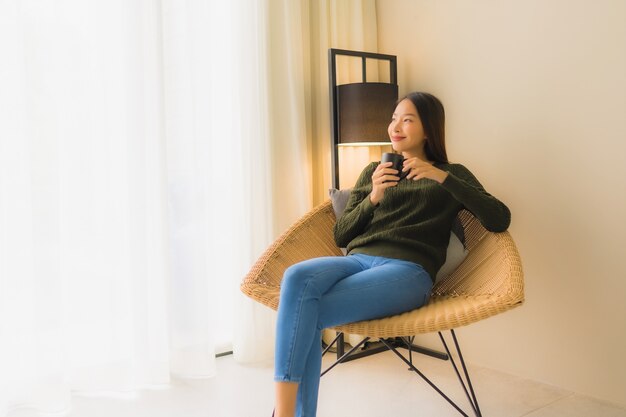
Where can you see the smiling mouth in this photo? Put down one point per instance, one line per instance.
(397, 138)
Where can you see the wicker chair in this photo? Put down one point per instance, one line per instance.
(488, 282)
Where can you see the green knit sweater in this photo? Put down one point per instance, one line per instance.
(414, 219)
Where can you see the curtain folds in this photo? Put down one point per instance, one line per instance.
(149, 152)
(298, 35)
(342, 24)
(136, 183)
(83, 253)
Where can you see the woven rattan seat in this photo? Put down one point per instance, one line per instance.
(489, 280)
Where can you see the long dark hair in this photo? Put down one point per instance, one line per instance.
(433, 117)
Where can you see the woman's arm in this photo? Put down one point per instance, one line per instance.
(463, 185)
(493, 214)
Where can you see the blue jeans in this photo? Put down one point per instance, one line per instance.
(330, 291)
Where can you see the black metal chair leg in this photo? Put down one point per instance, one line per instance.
(469, 381)
(394, 344)
(471, 399)
(428, 381)
(344, 356)
(471, 395)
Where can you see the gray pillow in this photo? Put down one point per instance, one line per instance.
(339, 199)
(455, 254)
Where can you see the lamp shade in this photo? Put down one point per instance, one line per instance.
(364, 112)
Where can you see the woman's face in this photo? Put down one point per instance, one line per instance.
(405, 130)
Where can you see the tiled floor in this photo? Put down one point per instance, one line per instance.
(376, 386)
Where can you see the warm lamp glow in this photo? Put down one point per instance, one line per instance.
(352, 160)
(342, 145)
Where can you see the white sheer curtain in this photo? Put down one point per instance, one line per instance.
(149, 151)
(136, 188)
(83, 249)
(299, 34)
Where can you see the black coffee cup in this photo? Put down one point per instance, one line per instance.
(398, 162)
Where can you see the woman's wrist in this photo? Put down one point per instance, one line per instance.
(442, 177)
(373, 199)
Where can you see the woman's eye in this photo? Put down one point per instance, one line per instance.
(407, 120)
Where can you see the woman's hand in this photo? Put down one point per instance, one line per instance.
(383, 178)
(418, 169)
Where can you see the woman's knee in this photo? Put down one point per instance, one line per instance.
(294, 277)
(319, 271)
(306, 267)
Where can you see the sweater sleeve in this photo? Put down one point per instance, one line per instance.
(359, 209)
(494, 215)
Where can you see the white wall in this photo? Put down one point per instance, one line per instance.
(535, 95)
